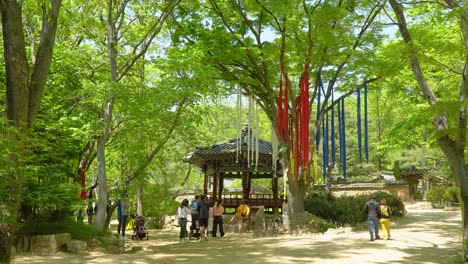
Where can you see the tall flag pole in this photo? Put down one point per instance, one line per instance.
(325, 146)
(333, 151)
(317, 138)
(239, 123)
(366, 125)
(343, 138)
(359, 124)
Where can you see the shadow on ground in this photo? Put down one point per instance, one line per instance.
(422, 236)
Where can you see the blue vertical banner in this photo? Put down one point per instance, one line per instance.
(366, 125)
(319, 80)
(333, 151)
(358, 114)
(343, 138)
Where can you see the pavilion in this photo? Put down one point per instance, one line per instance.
(222, 161)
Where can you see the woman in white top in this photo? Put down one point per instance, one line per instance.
(210, 218)
(183, 212)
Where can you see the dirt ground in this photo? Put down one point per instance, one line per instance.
(424, 235)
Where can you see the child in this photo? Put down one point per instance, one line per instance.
(385, 213)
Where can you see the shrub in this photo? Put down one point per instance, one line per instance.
(452, 193)
(319, 204)
(394, 202)
(437, 193)
(76, 229)
(348, 209)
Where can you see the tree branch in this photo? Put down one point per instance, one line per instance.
(43, 59)
(146, 40)
(155, 151)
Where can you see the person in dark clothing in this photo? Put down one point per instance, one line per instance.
(203, 209)
(194, 215)
(372, 207)
(218, 210)
(124, 206)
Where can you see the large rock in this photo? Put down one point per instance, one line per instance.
(43, 245)
(109, 241)
(113, 244)
(62, 240)
(114, 249)
(94, 243)
(22, 244)
(75, 246)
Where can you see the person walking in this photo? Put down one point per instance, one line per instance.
(194, 215)
(203, 218)
(183, 212)
(372, 209)
(385, 213)
(218, 211)
(124, 206)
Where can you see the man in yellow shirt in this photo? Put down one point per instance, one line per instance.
(242, 214)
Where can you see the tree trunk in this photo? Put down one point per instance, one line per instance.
(456, 158)
(110, 212)
(24, 91)
(453, 147)
(140, 197)
(296, 191)
(102, 197)
(17, 83)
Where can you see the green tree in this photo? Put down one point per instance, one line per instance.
(434, 66)
(250, 41)
(24, 89)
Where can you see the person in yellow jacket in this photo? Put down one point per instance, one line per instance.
(385, 213)
(131, 222)
(242, 214)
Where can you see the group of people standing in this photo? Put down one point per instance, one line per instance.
(378, 214)
(201, 211)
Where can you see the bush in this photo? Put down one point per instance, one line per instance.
(76, 229)
(453, 193)
(348, 209)
(319, 204)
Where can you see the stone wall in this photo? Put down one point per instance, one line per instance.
(399, 189)
(51, 244)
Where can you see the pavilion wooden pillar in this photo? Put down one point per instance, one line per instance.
(221, 185)
(412, 187)
(215, 186)
(275, 188)
(245, 184)
(205, 183)
(275, 194)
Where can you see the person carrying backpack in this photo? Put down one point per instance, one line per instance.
(194, 214)
(372, 208)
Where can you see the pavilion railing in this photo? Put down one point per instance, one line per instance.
(234, 200)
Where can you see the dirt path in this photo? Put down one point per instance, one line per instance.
(424, 235)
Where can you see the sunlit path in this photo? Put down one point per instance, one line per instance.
(423, 236)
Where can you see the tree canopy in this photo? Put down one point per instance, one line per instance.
(125, 89)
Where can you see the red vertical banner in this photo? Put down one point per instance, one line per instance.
(305, 117)
(83, 194)
(297, 137)
(286, 108)
(279, 119)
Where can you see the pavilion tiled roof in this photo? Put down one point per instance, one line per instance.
(227, 150)
(413, 171)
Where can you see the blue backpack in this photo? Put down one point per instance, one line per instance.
(194, 208)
